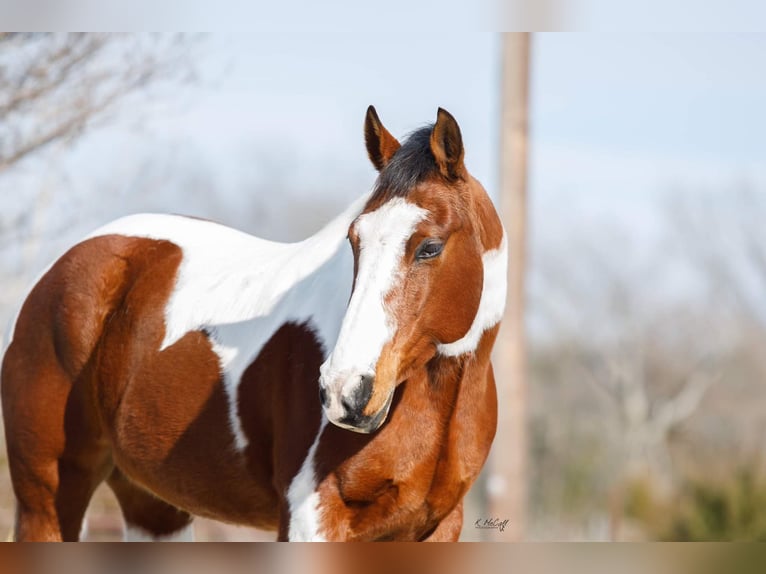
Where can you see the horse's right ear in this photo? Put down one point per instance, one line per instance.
(381, 145)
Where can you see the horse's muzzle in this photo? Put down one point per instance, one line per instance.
(346, 410)
(366, 424)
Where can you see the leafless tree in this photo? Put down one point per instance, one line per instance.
(53, 87)
(645, 356)
(647, 360)
(723, 237)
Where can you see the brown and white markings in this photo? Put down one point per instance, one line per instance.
(195, 368)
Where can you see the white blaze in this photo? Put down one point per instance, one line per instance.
(368, 326)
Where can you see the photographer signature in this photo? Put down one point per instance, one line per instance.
(491, 524)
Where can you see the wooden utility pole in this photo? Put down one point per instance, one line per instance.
(508, 477)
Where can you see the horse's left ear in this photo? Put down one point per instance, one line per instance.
(447, 145)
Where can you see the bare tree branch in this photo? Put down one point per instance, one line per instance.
(53, 86)
(685, 403)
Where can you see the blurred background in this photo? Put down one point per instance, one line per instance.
(631, 172)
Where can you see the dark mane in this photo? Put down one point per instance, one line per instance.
(411, 164)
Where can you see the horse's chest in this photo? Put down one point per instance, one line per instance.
(391, 489)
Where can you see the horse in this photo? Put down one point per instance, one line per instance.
(196, 368)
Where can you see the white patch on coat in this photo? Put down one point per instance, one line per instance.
(367, 325)
(242, 289)
(135, 533)
(492, 304)
(303, 498)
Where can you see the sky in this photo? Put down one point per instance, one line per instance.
(394, 15)
(309, 93)
(618, 121)
(619, 124)
(651, 109)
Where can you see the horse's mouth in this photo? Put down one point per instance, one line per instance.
(366, 424)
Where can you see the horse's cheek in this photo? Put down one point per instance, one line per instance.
(455, 299)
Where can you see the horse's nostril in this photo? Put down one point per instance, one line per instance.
(323, 397)
(354, 402)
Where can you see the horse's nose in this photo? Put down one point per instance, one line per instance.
(354, 402)
(344, 404)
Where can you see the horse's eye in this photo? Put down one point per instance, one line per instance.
(428, 249)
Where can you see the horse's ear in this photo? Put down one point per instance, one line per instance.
(447, 145)
(381, 145)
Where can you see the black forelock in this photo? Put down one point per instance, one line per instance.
(412, 163)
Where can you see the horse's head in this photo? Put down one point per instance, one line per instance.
(418, 275)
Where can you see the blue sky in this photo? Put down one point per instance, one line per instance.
(682, 101)
(620, 124)
(619, 121)
(693, 95)
(676, 98)
(626, 118)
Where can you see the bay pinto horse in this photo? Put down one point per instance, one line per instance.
(195, 368)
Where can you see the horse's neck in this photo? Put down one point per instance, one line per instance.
(461, 378)
(463, 395)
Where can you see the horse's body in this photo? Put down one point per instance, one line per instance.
(179, 360)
